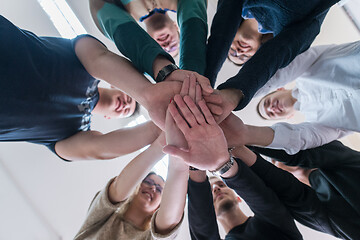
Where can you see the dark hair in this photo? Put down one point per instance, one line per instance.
(154, 173)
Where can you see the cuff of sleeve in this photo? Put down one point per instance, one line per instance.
(284, 138)
(104, 197)
(231, 84)
(171, 235)
(238, 174)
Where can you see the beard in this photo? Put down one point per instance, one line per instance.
(225, 206)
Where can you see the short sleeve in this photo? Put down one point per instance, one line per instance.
(171, 235)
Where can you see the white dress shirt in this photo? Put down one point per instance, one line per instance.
(327, 92)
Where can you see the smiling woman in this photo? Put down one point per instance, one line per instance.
(129, 206)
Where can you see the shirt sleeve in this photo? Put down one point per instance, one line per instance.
(295, 137)
(192, 20)
(202, 218)
(292, 71)
(131, 39)
(339, 163)
(100, 209)
(171, 235)
(274, 54)
(223, 29)
(299, 198)
(262, 200)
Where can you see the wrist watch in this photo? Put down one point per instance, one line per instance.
(165, 71)
(224, 168)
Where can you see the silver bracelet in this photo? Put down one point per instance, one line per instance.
(226, 167)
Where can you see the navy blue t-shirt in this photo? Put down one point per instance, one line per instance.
(46, 95)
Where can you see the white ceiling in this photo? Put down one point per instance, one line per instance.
(43, 197)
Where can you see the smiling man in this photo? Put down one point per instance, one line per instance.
(50, 90)
(114, 103)
(277, 105)
(326, 93)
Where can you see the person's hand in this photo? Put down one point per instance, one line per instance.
(234, 130)
(180, 75)
(207, 147)
(230, 98)
(157, 97)
(173, 134)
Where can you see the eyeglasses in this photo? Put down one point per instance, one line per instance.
(242, 57)
(149, 182)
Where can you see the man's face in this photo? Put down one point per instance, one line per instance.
(224, 198)
(277, 105)
(244, 46)
(117, 104)
(168, 38)
(150, 192)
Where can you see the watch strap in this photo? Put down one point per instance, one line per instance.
(165, 71)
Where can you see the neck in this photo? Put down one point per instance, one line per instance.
(292, 99)
(232, 218)
(136, 215)
(156, 22)
(250, 28)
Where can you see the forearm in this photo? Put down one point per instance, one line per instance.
(295, 137)
(135, 172)
(95, 145)
(295, 69)
(243, 134)
(260, 198)
(221, 37)
(202, 218)
(159, 62)
(192, 20)
(294, 194)
(128, 140)
(328, 156)
(174, 196)
(130, 38)
(112, 68)
(260, 136)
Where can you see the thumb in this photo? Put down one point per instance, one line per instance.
(206, 87)
(175, 151)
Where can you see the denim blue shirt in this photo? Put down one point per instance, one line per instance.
(295, 24)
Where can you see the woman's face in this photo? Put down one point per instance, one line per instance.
(150, 192)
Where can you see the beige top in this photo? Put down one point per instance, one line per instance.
(140, 8)
(105, 222)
